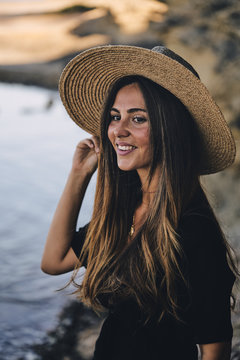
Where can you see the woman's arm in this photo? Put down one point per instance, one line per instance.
(216, 351)
(58, 257)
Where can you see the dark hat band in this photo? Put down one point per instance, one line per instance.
(171, 54)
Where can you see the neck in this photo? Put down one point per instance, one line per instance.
(149, 189)
(147, 198)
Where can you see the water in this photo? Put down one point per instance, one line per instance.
(37, 141)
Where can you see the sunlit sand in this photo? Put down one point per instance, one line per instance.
(34, 31)
(39, 38)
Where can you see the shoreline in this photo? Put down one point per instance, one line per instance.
(45, 75)
(74, 336)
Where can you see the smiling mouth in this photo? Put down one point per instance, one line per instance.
(123, 150)
(126, 147)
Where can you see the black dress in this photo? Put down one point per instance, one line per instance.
(206, 315)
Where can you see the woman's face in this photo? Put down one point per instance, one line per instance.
(129, 129)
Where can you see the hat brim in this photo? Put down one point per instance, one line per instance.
(87, 78)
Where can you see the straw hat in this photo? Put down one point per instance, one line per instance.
(87, 78)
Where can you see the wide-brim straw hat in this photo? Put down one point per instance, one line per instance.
(87, 78)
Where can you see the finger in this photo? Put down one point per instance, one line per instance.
(85, 143)
(95, 141)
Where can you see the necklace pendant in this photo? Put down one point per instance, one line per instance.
(132, 228)
(131, 232)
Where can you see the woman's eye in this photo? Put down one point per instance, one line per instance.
(139, 119)
(115, 117)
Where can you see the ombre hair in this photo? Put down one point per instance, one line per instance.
(149, 268)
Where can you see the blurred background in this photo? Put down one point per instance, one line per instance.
(37, 140)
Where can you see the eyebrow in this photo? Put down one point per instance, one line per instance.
(130, 110)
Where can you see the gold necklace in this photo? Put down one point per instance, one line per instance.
(132, 228)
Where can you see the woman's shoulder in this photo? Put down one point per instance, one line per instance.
(199, 227)
(198, 218)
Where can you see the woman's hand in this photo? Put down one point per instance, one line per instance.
(86, 155)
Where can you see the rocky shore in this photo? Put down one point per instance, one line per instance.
(74, 337)
(37, 42)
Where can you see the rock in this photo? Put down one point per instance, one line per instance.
(74, 337)
(87, 339)
(42, 74)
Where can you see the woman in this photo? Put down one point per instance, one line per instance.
(154, 253)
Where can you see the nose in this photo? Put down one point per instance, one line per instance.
(121, 128)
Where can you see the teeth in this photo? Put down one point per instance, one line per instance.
(122, 147)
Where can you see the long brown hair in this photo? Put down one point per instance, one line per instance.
(149, 268)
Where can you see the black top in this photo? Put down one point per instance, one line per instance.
(206, 318)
